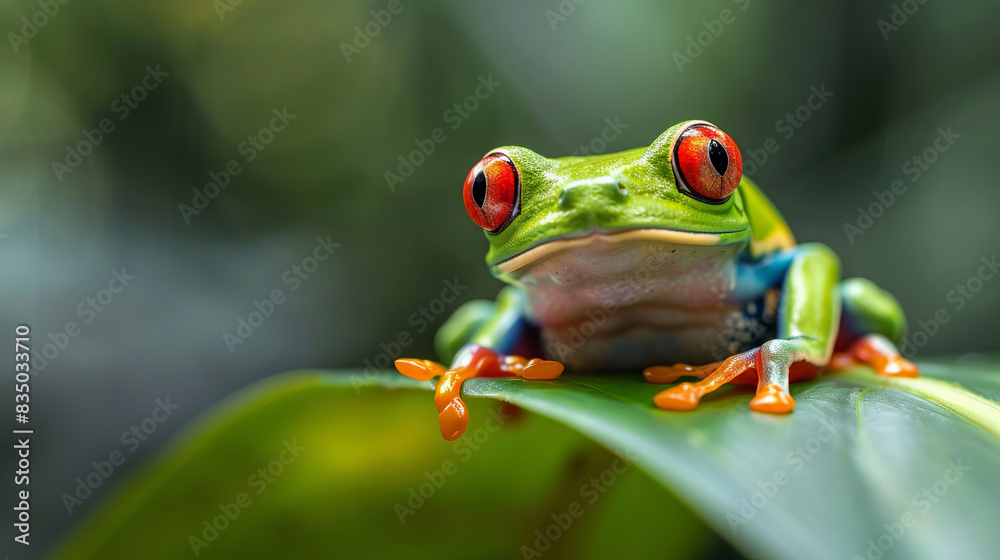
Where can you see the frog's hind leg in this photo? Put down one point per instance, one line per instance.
(871, 322)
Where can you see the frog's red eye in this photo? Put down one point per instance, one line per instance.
(492, 192)
(707, 164)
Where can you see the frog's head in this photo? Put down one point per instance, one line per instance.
(680, 190)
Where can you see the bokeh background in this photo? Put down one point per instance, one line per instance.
(562, 71)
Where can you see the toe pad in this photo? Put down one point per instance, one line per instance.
(681, 397)
(773, 399)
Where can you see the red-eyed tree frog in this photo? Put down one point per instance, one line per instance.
(650, 260)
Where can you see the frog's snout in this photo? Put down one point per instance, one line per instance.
(593, 192)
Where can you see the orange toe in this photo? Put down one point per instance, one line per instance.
(663, 374)
(670, 374)
(454, 419)
(681, 397)
(841, 361)
(773, 399)
(542, 369)
(883, 357)
(894, 365)
(421, 370)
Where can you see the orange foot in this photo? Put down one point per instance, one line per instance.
(453, 416)
(687, 395)
(876, 352)
(742, 368)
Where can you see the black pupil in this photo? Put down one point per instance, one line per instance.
(479, 189)
(717, 153)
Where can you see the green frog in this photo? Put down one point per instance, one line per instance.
(652, 260)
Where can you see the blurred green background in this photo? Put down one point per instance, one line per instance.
(561, 72)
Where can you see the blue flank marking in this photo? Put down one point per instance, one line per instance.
(512, 336)
(754, 278)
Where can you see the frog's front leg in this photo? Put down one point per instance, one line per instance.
(809, 313)
(485, 335)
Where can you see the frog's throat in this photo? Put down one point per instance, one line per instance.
(552, 247)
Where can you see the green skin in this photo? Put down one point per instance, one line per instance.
(573, 197)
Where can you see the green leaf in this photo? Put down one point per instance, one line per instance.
(348, 493)
(865, 466)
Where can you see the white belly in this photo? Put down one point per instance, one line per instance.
(631, 304)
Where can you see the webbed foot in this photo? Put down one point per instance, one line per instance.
(770, 366)
(877, 352)
(453, 416)
(687, 395)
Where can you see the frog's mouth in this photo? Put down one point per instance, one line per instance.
(549, 248)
